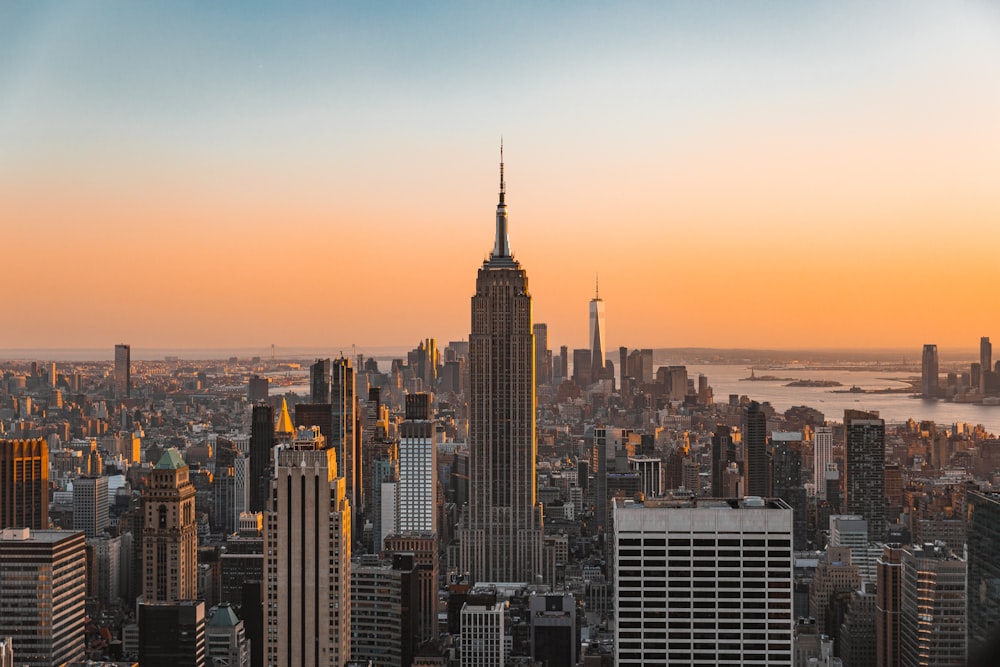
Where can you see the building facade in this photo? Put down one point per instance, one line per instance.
(43, 585)
(90, 505)
(864, 480)
(24, 484)
(123, 371)
(703, 582)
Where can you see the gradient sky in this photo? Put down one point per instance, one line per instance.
(765, 174)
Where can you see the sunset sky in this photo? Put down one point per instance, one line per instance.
(739, 174)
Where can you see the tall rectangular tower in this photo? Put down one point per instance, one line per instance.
(24, 484)
(170, 533)
(307, 543)
(43, 585)
(822, 456)
(703, 582)
(929, 386)
(261, 453)
(502, 537)
(90, 505)
(932, 621)
(756, 459)
(985, 364)
(983, 524)
(864, 479)
(543, 367)
(123, 371)
(416, 497)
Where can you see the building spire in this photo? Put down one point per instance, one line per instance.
(501, 248)
(597, 287)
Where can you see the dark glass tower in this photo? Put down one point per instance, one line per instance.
(261, 453)
(502, 535)
(757, 461)
(983, 522)
(864, 451)
(929, 387)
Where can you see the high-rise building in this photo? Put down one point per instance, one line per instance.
(932, 620)
(598, 338)
(123, 371)
(307, 544)
(416, 494)
(703, 582)
(383, 619)
(985, 364)
(983, 527)
(888, 591)
(583, 368)
(929, 385)
(502, 536)
(864, 479)
(90, 505)
(423, 548)
(552, 619)
(482, 628)
(170, 532)
(43, 585)
(172, 634)
(822, 455)
(24, 484)
(320, 377)
(543, 365)
(723, 453)
(258, 389)
(756, 458)
(261, 453)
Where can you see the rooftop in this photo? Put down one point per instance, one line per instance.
(171, 460)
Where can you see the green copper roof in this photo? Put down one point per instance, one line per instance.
(171, 460)
(224, 616)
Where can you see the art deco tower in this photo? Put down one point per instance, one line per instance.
(502, 537)
(170, 533)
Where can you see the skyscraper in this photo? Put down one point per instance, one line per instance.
(416, 496)
(502, 537)
(308, 558)
(261, 451)
(170, 533)
(822, 455)
(983, 523)
(864, 478)
(123, 371)
(598, 343)
(320, 376)
(706, 582)
(543, 365)
(929, 386)
(985, 364)
(24, 484)
(90, 505)
(932, 621)
(43, 585)
(889, 577)
(757, 460)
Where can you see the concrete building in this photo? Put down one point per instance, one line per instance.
(888, 593)
(554, 640)
(307, 546)
(851, 531)
(502, 535)
(416, 493)
(43, 585)
(90, 505)
(384, 625)
(483, 640)
(703, 582)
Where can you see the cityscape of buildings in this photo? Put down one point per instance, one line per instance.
(494, 502)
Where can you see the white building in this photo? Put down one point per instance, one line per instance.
(703, 582)
(90, 505)
(482, 633)
(851, 531)
(416, 493)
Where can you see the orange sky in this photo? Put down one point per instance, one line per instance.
(826, 186)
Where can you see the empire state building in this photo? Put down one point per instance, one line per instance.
(502, 535)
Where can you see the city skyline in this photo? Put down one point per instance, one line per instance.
(706, 153)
